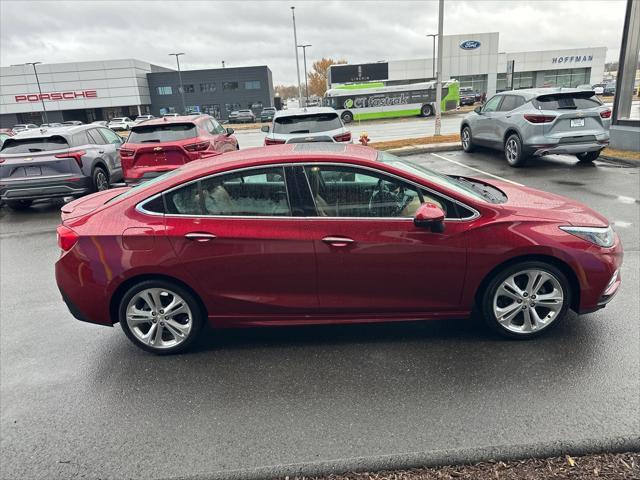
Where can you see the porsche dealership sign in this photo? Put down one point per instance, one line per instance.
(56, 96)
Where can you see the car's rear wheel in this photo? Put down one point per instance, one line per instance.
(347, 117)
(466, 139)
(525, 299)
(513, 151)
(160, 317)
(19, 204)
(588, 157)
(100, 179)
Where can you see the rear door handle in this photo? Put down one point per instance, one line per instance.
(200, 237)
(338, 241)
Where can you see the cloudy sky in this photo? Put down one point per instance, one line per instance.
(257, 33)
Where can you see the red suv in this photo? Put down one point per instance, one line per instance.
(164, 144)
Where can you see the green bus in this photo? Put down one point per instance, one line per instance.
(367, 101)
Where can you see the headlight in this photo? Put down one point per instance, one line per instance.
(601, 236)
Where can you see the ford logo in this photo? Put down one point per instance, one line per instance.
(469, 44)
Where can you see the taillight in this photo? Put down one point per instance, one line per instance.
(77, 156)
(273, 141)
(125, 152)
(343, 137)
(536, 118)
(67, 238)
(1, 160)
(197, 147)
(605, 113)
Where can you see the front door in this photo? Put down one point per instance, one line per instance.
(371, 258)
(485, 123)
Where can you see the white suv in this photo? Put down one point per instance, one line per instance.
(306, 125)
(121, 123)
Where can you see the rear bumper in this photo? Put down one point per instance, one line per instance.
(565, 148)
(47, 188)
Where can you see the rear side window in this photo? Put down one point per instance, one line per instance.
(511, 102)
(111, 136)
(80, 138)
(307, 123)
(162, 133)
(566, 101)
(32, 145)
(95, 137)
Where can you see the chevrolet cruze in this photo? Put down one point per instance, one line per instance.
(328, 233)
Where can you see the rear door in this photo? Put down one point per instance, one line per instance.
(503, 118)
(110, 150)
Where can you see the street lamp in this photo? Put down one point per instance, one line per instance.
(306, 83)
(295, 43)
(433, 56)
(35, 72)
(180, 86)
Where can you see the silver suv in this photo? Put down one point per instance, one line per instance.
(535, 122)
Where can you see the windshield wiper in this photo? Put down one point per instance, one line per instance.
(299, 131)
(155, 140)
(567, 108)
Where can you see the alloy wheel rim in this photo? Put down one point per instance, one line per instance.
(159, 318)
(465, 138)
(512, 151)
(528, 301)
(101, 181)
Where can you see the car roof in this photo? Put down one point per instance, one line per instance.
(304, 111)
(63, 131)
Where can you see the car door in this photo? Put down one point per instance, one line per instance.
(111, 149)
(484, 130)
(235, 235)
(220, 140)
(503, 117)
(371, 257)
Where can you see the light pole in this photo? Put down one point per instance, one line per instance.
(433, 55)
(439, 75)
(180, 86)
(304, 59)
(295, 44)
(35, 72)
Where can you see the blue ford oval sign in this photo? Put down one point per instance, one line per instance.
(469, 44)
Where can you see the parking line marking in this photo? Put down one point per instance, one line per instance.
(478, 170)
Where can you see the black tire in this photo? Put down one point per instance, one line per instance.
(467, 142)
(19, 205)
(347, 117)
(426, 110)
(487, 298)
(588, 157)
(198, 316)
(513, 152)
(100, 179)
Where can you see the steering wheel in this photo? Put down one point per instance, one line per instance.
(385, 202)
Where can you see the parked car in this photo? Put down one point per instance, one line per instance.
(142, 118)
(597, 88)
(159, 145)
(121, 123)
(58, 162)
(242, 116)
(306, 125)
(51, 125)
(267, 114)
(329, 234)
(71, 123)
(169, 115)
(609, 89)
(467, 96)
(535, 122)
(102, 123)
(23, 126)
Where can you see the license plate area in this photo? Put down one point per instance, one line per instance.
(577, 122)
(32, 171)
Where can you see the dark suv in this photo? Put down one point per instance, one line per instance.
(58, 162)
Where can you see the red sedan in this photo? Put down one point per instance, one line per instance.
(162, 144)
(323, 233)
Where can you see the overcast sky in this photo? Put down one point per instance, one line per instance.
(256, 33)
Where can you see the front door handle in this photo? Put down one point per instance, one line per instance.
(100, 151)
(338, 241)
(200, 236)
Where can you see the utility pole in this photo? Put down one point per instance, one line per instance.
(180, 86)
(295, 44)
(35, 72)
(306, 83)
(433, 55)
(222, 63)
(439, 76)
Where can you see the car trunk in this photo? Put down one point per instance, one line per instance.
(88, 204)
(159, 156)
(577, 116)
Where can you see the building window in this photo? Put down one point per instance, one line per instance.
(229, 85)
(501, 82)
(255, 106)
(213, 110)
(231, 107)
(252, 85)
(569, 77)
(208, 87)
(523, 80)
(188, 88)
(193, 108)
(164, 90)
(478, 83)
(164, 110)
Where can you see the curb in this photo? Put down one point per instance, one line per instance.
(622, 161)
(431, 148)
(427, 459)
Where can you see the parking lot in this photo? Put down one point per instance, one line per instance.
(80, 401)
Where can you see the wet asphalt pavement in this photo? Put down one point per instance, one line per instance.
(79, 401)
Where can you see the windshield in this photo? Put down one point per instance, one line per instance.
(32, 145)
(423, 172)
(307, 123)
(162, 133)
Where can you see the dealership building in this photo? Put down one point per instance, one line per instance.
(476, 61)
(101, 90)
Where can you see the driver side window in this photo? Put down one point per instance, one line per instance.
(353, 192)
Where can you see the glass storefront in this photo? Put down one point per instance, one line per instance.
(478, 83)
(570, 77)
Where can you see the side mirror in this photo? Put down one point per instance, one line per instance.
(429, 215)
(265, 128)
(230, 131)
(478, 110)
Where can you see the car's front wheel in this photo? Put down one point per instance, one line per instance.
(19, 205)
(525, 299)
(160, 316)
(466, 139)
(588, 157)
(513, 151)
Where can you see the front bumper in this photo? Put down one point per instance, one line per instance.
(44, 188)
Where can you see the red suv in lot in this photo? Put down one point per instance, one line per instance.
(164, 144)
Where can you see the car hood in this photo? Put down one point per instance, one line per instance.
(531, 203)
(89, 203)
